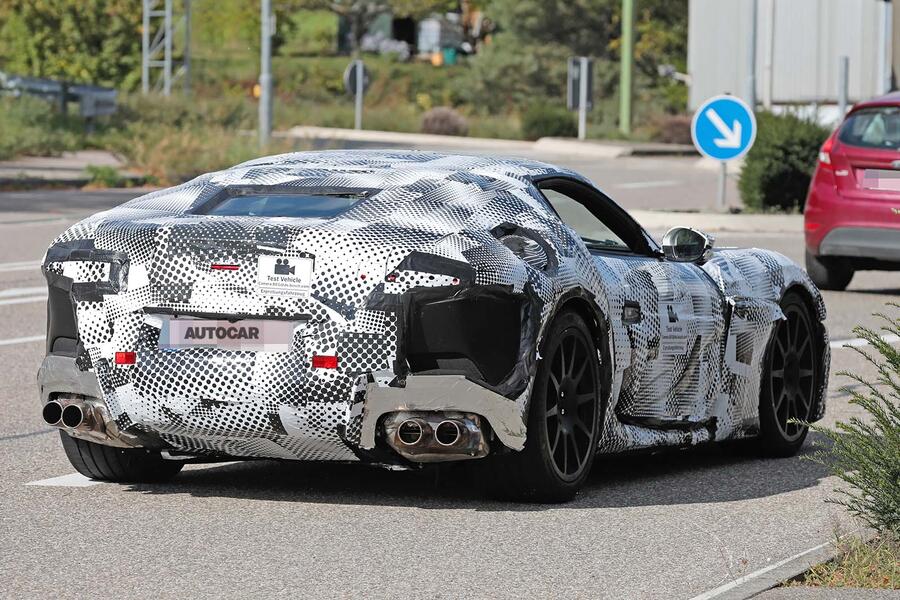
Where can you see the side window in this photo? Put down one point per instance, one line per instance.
(594, 232)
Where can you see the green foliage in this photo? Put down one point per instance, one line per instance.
(547, 120)
(32, 126)
(314, 33)
(777, 170)
(104, 176)
(90, 41)
(865, 452)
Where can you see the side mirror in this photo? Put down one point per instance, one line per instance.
(683, 244)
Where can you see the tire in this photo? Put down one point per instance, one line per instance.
(790, 379)
(564, 419)
(828, 273)
(105, 463)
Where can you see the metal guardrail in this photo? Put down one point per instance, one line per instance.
(93, 100)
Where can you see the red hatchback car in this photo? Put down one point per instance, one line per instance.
(852, 215)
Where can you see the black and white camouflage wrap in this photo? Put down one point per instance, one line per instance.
(695, 357)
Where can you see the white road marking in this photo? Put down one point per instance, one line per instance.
(30, 265)
(71, 480)
(23, 300)
(22, 340)
(12, 292)
(741, 580)
(859, 342)
(636, 185)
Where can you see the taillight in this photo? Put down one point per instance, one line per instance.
(324, 361)
(825, 151)
(126, 358)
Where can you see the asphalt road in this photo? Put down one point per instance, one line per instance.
(670, 525)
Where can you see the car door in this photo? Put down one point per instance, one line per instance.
(672, 313)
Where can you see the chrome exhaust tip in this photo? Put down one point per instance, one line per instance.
(410, 432)
(447, 433)
(52, 413)
(73, 416)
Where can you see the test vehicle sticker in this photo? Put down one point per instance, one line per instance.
(285, 275)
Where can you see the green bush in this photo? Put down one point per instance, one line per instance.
(778, 168)
(32, 126)
(546, 120)
(865, 452)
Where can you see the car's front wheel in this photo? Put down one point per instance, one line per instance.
(132, 465)
(563, 420)
(789, 380)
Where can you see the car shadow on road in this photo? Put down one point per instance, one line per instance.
(715, 473)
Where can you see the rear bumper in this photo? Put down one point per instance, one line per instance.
(862, 242)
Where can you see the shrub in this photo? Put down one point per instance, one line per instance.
(443, 120)
(33, 126)
(672, 129)
(546, 120)
(104, 176)
(778, 168)
(866, 452)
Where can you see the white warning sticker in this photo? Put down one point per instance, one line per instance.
(285, 275)
(674, 331)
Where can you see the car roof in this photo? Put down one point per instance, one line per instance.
(892, 99)
(410, 162)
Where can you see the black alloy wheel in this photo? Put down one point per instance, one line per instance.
(790, 378)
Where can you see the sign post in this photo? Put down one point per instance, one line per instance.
(579, 90)
(356, 81)
(723, 129)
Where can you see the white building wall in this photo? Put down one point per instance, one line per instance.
(803, 50)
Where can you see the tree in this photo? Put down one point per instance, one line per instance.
(90, 41)
(360, 14)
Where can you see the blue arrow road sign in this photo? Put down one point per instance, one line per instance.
(723, 128)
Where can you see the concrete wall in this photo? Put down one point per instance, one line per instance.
(802, 49)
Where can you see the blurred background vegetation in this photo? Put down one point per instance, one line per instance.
(512, 87)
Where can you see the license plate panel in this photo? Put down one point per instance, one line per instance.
(257, 335)
(881, 179)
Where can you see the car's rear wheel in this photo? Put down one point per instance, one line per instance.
(563, 420)
(789, 380)
(106, 463)
(829, 273)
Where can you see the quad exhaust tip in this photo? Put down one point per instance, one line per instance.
(52, 413)
(72, 416)
(447, 433)
(410, 432)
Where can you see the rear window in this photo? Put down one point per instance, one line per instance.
(303, 206)
(873, 128)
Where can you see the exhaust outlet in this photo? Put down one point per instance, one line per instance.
(52, 413)
(447, 433)
(435, 436)
(73, 416)
(411, 432)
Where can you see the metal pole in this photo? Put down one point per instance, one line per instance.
(768, 67)
(843, 85)
(883, 77)
(265, 75)
(145, 48)
(751, 57)
(357, 121)
(186, 60)
(627, 58)
(723, 173)
(167, 57)
(888, 43)
(582, 96)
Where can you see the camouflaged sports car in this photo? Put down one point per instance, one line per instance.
(405, 308)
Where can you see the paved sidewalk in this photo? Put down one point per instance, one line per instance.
(819, 593)
(68, 168)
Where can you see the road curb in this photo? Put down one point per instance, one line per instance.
(550, 145)
(769, 577)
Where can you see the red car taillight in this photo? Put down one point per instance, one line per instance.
(825, 152)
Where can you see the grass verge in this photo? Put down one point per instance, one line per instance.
(859, 564)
